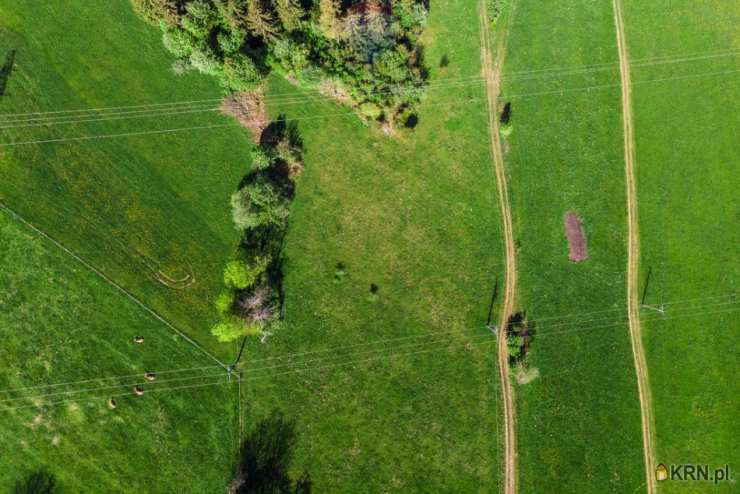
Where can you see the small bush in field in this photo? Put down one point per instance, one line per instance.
(241, 274)
(224, 301)
(233, 328)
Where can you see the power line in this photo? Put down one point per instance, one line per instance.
(125, 376)
(378, 342)
(538, 334)
(474, 341)
(390, 340)
(565, 70)
(107, 279)
(351, 113)
(116, 395)
(112, 386)
(380, 350)
(453, 332)
(293, 99)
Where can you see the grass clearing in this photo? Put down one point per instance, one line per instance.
(129, 205)
(412, 404)
(579, 422)
(60, 323)
(687, 164)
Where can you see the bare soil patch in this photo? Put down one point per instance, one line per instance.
(577, 250)
(525, 375)
(249, 109)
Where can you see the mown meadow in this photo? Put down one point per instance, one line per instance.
(67, 348)
(578, 422)
(686, 133)
(392, 253)
(397, 389)
(142, 209)
(133, 206)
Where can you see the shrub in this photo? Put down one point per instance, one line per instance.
(411, 15)
(261, 159)
(199, 18)
(154, 11)
(391, 66)
(240, 73)
(177, 41)
(495, 7)
(224, 301)
(290, 55)
(288, 153)
(241, 275)
(515, 344)
(259, 204)
(233, 328)
(370, 110)
(231, 42)
(203, 59)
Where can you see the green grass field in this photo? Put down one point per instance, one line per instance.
(687, 164)
(412, 406)
(125, 203)
(129, 206)
(397, 390)
(414, 214)
(61, 324)
(579, 422)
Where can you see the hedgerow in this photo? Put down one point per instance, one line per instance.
(252, 300)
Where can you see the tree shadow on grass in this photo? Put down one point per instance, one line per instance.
(265, 459)
(5, 71)
(40, 482)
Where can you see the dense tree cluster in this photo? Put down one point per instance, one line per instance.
(366, 51)
(519, 335)
(253, 296)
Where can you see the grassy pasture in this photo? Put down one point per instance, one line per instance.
(579, 422)
(687, 163)
(60, 323)
(415, 214)
(412, 404)
(126, 204)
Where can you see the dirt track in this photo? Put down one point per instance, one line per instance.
(492, 74)
(633, 255)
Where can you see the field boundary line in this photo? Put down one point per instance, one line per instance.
(492, 72)
(633, 254)
(108, 280)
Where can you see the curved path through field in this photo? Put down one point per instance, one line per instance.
(633, 254)
(492, 74)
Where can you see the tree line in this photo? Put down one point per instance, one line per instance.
(253, 296)
(366, 53)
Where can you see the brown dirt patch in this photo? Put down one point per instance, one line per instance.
(577, 250)
(249, 109)
(526, 375)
